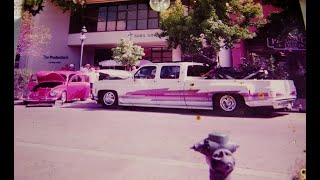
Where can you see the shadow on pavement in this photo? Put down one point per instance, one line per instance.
(248, 113)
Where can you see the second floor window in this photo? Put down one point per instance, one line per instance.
(117, 16)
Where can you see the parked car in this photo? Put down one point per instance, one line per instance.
(49, 86)
(181, 85)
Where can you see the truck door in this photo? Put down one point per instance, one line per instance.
(169, 87)
(142, 90)
(196, 92)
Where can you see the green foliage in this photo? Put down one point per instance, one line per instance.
(126, 53)
(35, 6)
(285, 24)
(209, 22)
(254, 63)
(21, 79)
(72, 5)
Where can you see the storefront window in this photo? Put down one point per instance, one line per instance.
(116, 16)
(161, 54)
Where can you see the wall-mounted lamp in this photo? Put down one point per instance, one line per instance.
(159, 5)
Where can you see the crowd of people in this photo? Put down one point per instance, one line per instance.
(91, 71)
(68, 67)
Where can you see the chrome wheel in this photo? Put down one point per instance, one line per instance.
(228, 103)
(64, 97)
(109, 98)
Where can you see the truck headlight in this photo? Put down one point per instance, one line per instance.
(53, 93)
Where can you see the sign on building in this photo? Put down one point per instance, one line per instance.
(293, 43)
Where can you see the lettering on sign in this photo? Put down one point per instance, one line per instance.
(141, 35)
(55, 57)
(296, 43)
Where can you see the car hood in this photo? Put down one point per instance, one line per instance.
(116, 73)
(50, 77)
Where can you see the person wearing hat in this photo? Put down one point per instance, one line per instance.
(85, 68)
(71, 67)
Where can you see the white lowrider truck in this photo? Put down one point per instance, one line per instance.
(180, 85)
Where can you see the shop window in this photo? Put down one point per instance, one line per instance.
(101, 26)
(111, 25)
(132, 24)
(142, 24)
(153, 23)
(161, 55)
(121, 25)
(96, 16)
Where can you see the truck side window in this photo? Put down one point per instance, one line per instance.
(148, 72)
(170, 72)
(197, 70)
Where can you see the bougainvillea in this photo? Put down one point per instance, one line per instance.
(32, 37)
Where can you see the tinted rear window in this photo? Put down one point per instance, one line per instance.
(197, 70)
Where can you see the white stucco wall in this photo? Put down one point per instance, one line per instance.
(139, 37)
(225, 56)
(176, 54)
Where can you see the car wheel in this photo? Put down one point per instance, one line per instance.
(109, 99)
(83, 99)
(229, 103)
(63, 97)
(26, 102)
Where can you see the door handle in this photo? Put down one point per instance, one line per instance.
(192, 84)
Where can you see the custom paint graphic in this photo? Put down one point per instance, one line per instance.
(165, 94)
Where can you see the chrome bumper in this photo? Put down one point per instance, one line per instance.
(286, 103)
(40, 100)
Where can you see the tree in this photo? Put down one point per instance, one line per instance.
(35, 6)
(286, 24)
(32, 37)
(127, 54)
(200, 33)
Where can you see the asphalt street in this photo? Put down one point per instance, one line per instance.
(83, 141)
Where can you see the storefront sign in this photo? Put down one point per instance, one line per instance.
(141, 35)
(55, 57)
(297, 43)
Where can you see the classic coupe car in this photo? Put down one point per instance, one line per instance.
(49, 86)
(180, 85)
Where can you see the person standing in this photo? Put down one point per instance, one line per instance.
(65, 67)
(85, 68)
(71, 67)
(93, 77)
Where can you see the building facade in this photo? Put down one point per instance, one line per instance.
(107, 22)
